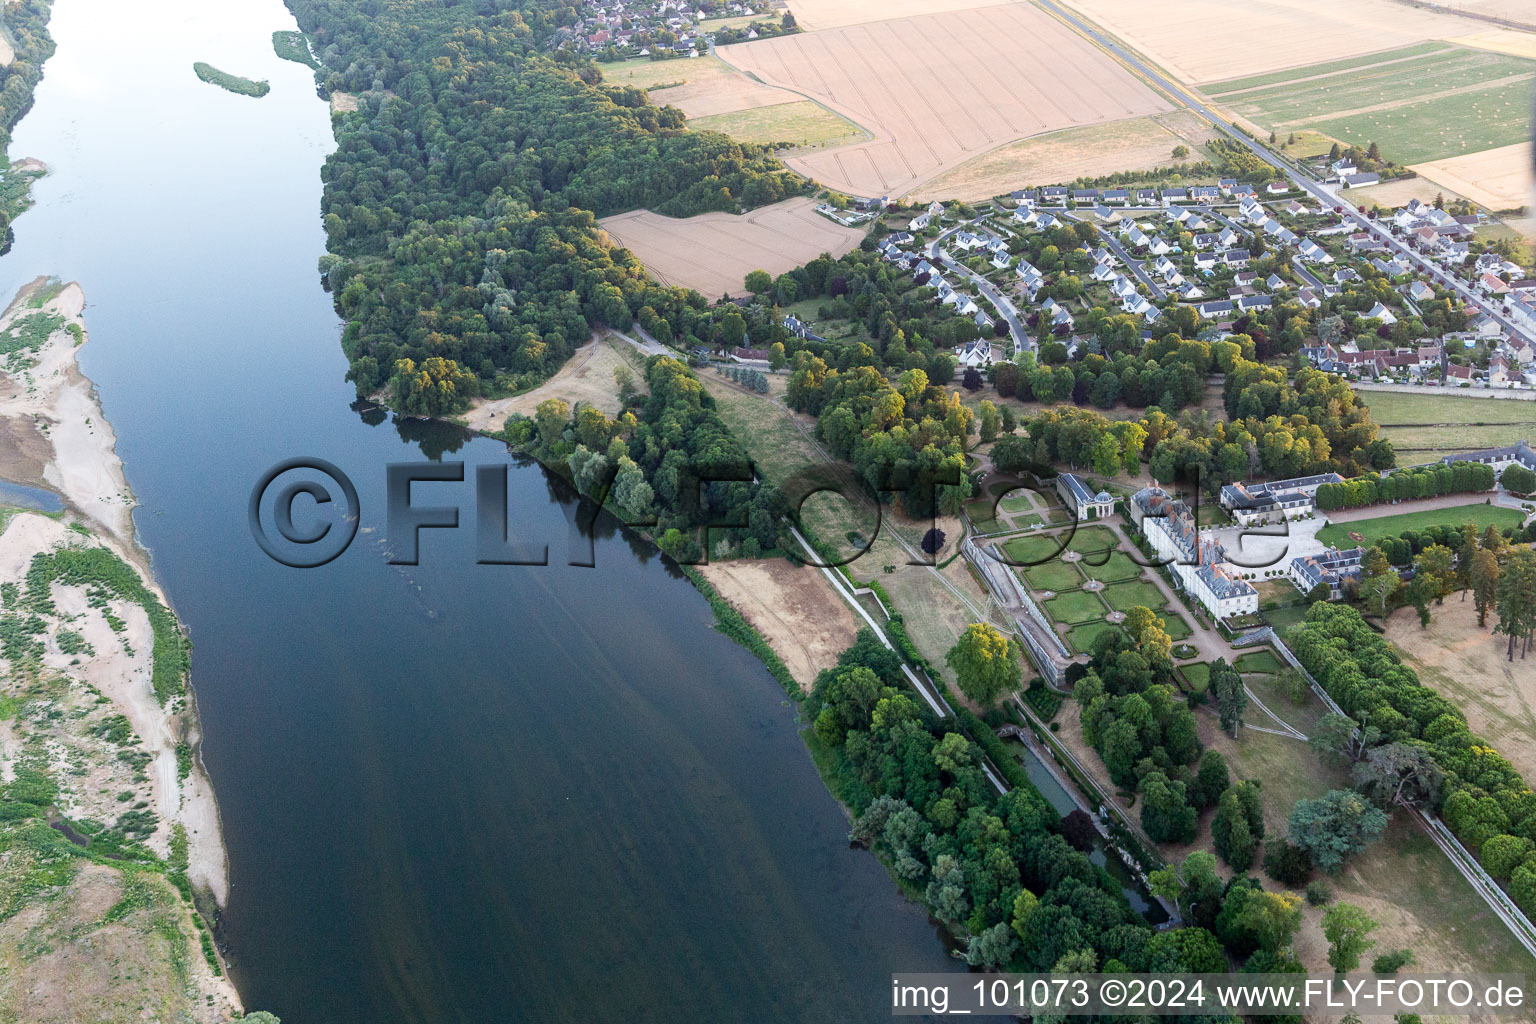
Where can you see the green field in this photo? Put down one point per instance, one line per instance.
(1176, 628)
(1075, 606)
(1055, 575)
(1445, 423)
(1264, 660)
(1119, 566)
(1081, 638)
(1092, 540)
(1216, 90)
(1122, 597)
(1372, 530)
(1198, 676)
(1418, 103)
(801, 124)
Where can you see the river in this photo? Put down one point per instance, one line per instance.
(450, 792)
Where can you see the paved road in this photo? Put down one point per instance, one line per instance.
(1134, 265)
(1022, 342)
(1307, 275)
(1305, 181)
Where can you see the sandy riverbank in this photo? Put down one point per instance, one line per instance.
(62, 442)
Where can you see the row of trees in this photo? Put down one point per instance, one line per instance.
(1412, 745)
(1406, 485)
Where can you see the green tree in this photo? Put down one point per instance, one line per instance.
(986, 663)
(1485, 583)
(1335, 827)
(1235, 843)
(758, 282)
(1231, 695)
(1346, 928)
(1517, 597)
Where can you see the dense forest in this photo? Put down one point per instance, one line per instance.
(27, 24)
(460, 202)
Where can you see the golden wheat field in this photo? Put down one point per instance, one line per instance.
(938, 90)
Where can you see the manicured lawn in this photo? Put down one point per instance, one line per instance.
(1081, 638)
(981, 515)
(1092, 538)
(1075, 606)
(1176, 628)
(1264, 660)
(1372, 530)
(1019, 503)
(1122, 597)
(1057, 576)
(1032, 550)
(1283, 619)
(1119, 566)
(1198, 676)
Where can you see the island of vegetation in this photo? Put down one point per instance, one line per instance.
(231, 83)
(292, 46)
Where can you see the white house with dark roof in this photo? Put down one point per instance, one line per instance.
(1331, 568)
(1083, 501)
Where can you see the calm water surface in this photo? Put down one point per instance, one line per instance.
(450, 792)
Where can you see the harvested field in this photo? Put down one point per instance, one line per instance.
(713, 252)
(1419, 103)
(698, 86)
(794, 607)
(1500, 179)
(1501, 40)
(803, 124)
(1133, 144)
(1209, 40)
(813, 15)
(940, 89)
(1397, 192)
(1470, 666)
(586, 377)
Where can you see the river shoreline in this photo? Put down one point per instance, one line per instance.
(63, 443)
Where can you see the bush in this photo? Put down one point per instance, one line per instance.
(1319, 893)
(1286, 864)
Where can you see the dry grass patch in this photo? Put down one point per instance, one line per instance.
(1135, 144)
(793, 607)
(803, 124)
(1209, 40)
(586, 377)
(713, 252)
(937, 90)
(1469, 666)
